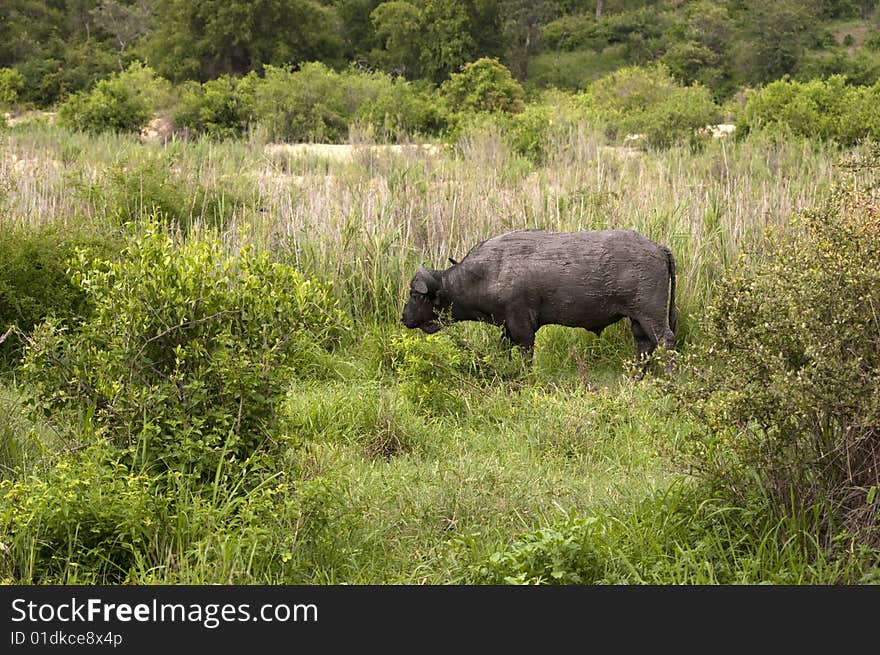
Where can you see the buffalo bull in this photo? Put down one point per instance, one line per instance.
(524, 279)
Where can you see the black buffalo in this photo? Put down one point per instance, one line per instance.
(524, 279)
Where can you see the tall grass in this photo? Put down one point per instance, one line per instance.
(365, 223)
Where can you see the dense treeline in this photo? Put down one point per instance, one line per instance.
(65, 46)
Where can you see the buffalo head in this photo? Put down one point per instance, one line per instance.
(421, 310)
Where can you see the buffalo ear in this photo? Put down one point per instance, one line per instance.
(424, 281)
(453, 262)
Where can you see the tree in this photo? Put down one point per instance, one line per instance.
(483, 85)
(522, 25)
(447, 42)
(203, 39)
(398, 26)
(125, 22)
(775, 35)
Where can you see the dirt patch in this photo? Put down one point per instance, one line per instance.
(160, 129)
(346, 152)
(29, 117)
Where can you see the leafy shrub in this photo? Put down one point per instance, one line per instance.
(693, 62)
(314, 103)
(649, 101)
(573, 32)
(550, 555)
(572, 71)
(872, 41)
(124, 102)
(402, 110)
(86, 511)
(529, 132)
(219, 108)
(11, 84)
(43, 81)
(861, 68)
(483, 85)
(789, 386)
(826, 109)
(430, 371)
(677, 536)
(33, 278)
(187, 352)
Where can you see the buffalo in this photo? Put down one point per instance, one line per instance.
(524, 279)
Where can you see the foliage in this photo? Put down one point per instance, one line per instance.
(204, 40)
(573, 32)
(860, 69)
(484, 85)
(649, 101)
(572, 71)
(774, 38)
(219, 108)
(674, 537)
(314, 103)
(401, 110)
(140, 187)
(447, 43)
(33, 278)
(430, 371)
(789, 386)
(85, 509)
(187, 351)
(398, 28)
(124, 102)
(11, 84)
(827, 109)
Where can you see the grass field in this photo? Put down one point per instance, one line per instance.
(401, 458)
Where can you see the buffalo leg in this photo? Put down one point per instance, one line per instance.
(648, 339)
(520, 334)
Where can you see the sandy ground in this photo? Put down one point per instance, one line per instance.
(344, 152)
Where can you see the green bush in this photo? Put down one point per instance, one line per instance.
(33, 278)
(402, 110)
(220, 108)
(187, 352)
(825, 109)
(484, 85)
(146, 185)
(554, 554)
(572, 71)
(861, 68)
(431, 371)
(314, 103)
(649, 101)
(85, 521)
(573, 32)
(43, 81)
(677, 536)
(872, 41)
(124, 102)
(544, 126)
(789, 385)
(11, 84)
